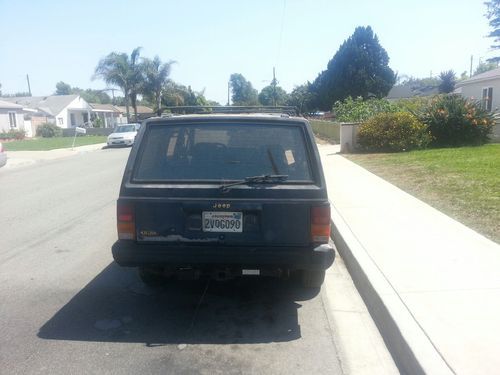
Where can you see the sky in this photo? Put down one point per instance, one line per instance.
(56, 41)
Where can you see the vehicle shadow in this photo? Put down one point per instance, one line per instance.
(117, 307)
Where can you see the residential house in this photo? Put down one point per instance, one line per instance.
(143, 112)
(408, 91)
(106, 114)
(66, 111)
(11, 116)
(484, 87)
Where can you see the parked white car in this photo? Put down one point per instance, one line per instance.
(123, 135)
(3, 156)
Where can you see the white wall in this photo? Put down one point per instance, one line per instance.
(495, 134)
(78, 104)
(475, 90)
(62, 119)
(4, 120)
(28, 129)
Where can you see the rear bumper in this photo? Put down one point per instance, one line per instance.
(121, 142)
(131, 254)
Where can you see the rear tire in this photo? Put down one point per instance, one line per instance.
(313, 278)
(151, 276)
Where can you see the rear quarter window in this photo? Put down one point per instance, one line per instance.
(222, 152)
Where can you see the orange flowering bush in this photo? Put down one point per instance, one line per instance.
(456, 121)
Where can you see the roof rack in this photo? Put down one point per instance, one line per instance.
(210, 109)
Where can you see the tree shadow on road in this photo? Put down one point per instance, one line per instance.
(117, 307)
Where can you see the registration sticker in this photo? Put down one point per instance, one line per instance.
(217, 221)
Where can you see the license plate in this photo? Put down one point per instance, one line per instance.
(215, 221)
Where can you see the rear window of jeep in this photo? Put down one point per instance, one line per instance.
(222, 152)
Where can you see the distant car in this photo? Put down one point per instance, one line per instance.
(3, 156)
(123, 135)
(225, 195)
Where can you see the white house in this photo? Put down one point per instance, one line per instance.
(108, 115)
(66, 111)
(143, 112)
(407, 91)
(484, 87)
(11, 116)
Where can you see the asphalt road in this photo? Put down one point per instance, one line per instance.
(66, 308)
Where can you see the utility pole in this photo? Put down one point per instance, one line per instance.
(29, 87)
(228, 91)
(274, 83)
(471, 60)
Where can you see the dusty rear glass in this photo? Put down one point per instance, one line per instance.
(125, 129)
(222, 152)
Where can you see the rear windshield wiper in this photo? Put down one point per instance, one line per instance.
(262, 179)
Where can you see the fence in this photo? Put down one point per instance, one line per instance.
(90, 131)
(326, 129)
(347, 133)
(344, 133)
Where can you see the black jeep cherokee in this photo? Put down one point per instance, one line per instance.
(224, 195)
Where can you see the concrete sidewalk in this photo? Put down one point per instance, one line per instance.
(432, 285)
(22, 158)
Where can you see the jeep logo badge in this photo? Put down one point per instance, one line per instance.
(221, 205)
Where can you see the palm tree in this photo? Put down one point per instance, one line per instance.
(136, 78)
(174, 94)
(120, 70)
(155, 79)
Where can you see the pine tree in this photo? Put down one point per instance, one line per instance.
(448, 80)
(493, 15)
(359, 68)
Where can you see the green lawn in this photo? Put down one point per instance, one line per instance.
(462, 182)
(44, 144)
(327, 130)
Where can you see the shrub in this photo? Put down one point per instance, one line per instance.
(456, 121)
(358, 110)
(98, 123)
(48, 131)
(392, 132)
(415, 105)
(13, 134)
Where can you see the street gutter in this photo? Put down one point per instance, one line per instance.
(16, 159)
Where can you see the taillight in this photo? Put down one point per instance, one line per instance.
(320, 223)
(125, 221)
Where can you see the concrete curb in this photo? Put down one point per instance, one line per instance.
(409, 345)
(16, 159)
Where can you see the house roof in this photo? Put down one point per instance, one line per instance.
(52, 104)
(9, 105)
(407, 91)
(140, 109)
(104, 107)
(490, 74)
(399, 92)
